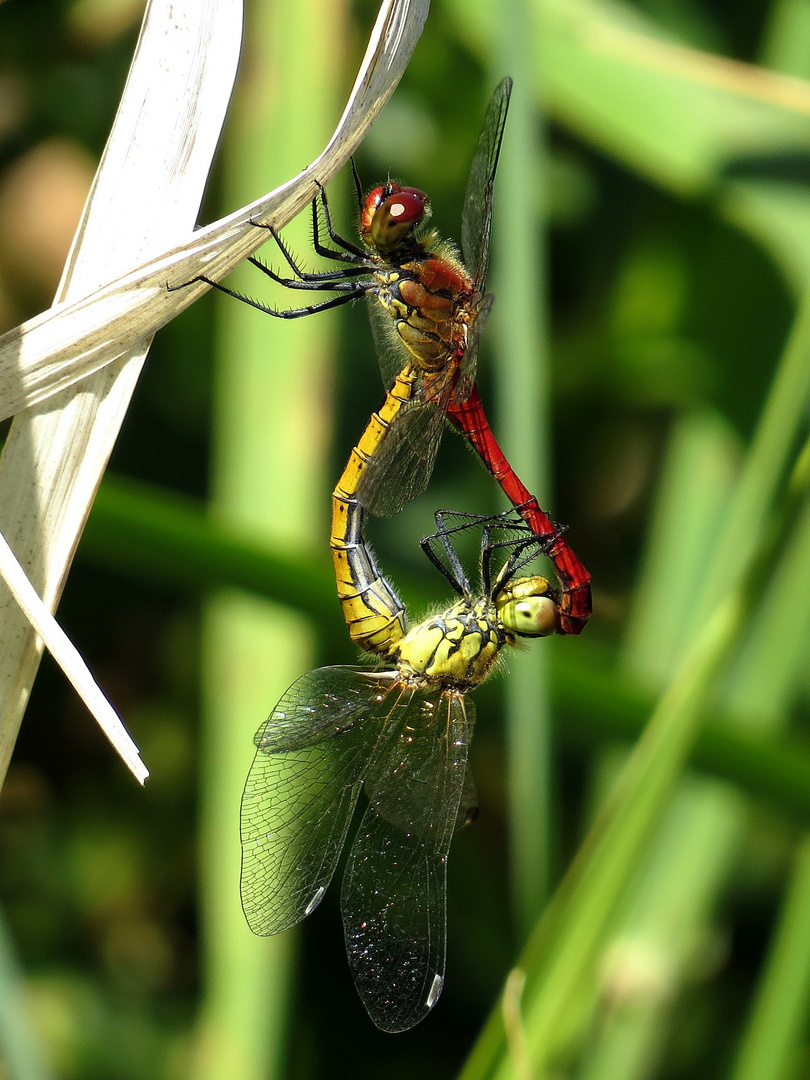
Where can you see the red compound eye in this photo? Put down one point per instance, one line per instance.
(390, 213)
(370, 207)
(405, 205)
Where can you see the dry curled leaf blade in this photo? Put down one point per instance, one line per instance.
(145, 197)
(72, 340)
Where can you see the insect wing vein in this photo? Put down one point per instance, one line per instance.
(394, 890)
(392, 353)
(401, 468)
(302, 789)
(476, 217)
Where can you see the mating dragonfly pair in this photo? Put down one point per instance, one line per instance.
(400, 729)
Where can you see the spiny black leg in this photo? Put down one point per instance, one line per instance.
(457, 583)
(486, 560)
(525, 550)
(358, 187)
(327, 253)
(507, 519)
(339, 280)
(452, 570)
(289, 313)
(507, 571)
(326, 275)
(351, 252)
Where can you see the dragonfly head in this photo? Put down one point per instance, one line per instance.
(528, 607)
(390, 214)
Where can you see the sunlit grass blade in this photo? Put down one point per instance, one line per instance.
(563, 949)
(759, 691)
(70, 660)
(650, 953)
(772, 1041)
(522, 387)
(146, 194)
(656, 948)
(271, 432)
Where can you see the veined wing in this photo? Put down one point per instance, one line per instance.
(392, 353)
(476, 217)
(468, 807)
(394, 889)
(400, 469)
(313, 755)
(469, 362)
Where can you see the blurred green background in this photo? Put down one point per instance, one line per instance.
(647, 366)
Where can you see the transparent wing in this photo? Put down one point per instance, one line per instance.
(400, 470)
(469, 362)
(392, 354)
(476, 217)
(468, 808)
(394, 889)
(313, 755)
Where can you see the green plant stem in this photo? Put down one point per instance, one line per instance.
(563, 946)
(522, 384)
(773, 1034)
(270, 440)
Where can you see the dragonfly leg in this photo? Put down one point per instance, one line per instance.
(351, 252)
(336, 280)
(524, 550)
(288, 313)
(452, 569)
(358, 187)
(302, 276)
(454, 573)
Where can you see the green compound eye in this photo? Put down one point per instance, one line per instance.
(530, 618)
(528, 607)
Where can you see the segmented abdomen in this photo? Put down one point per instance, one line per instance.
(374, 613)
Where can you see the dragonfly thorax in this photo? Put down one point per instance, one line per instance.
(430, 303)
(459, 646)
(456, 647)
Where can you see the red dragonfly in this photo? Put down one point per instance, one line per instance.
(428, 308)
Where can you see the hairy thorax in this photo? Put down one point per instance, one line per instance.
(429, 298)
(457, 647)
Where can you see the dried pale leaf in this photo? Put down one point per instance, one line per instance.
(71, 341)
(70, 660)
(48, 475)
(145, 197)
